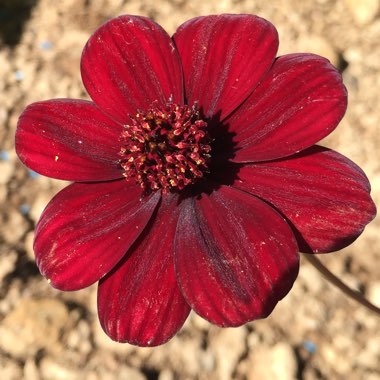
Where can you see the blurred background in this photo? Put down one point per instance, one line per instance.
(314, 333)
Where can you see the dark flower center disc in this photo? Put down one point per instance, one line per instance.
(165, 147)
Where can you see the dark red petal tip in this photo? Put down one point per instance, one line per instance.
(301, 100)
(87, 228)
(140, 302)
(235, 257)
(69, 139)
(129, 63)
(224, 57)
(323, 194)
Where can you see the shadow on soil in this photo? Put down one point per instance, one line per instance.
(13, 16)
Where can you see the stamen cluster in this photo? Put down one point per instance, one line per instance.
(165, 148)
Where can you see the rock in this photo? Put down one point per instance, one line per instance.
(363, 11)
(166, 374)
(6, 171)
(198, 322)
(34, 325)
(31, 371)
(369, 356)
(185, 354)
(311, 278)
(17, 227)
(374, 293)
(129, 373)
(53, 370)
(272, 363)
(38, 206)
(229, 346)
(3, 194)
(316, 44)
(5, 69)
(79, 338)
(333, 356)
(9, 369)
(207, 361)
(7, 263)
(29, 238)
(122, 372)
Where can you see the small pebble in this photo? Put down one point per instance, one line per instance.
(19, 75)
(24, 209)
(52, 369)
(46, 45)
(7, 263)
(4, 155)
(30, 370)
(309, 346)
(228, 346)
(272, 363)
(35, 324)
(32, 174)
(363, 11)
(374, 293)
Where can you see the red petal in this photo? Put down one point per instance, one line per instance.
(129, 63)
(301, 100)
(140, 301)
(87, 228)
(69, 139)
(235, 257)
(224, 57)
(323, 194)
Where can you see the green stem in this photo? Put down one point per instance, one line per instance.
(355, 295)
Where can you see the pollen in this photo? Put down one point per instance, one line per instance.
(165, 147)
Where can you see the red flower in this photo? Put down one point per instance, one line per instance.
(223, 183)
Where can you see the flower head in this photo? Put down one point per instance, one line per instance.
(196, 178)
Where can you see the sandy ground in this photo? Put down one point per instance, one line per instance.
(315, 333)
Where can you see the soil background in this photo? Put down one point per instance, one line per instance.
(314, 333)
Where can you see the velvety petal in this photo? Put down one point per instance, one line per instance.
(129, 63)
(87, 228)
(236, 257)
(300, 101)
(70, 140)
(224, 57)
(323, 194)
(140, 302)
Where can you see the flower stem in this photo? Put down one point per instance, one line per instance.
(355, 295)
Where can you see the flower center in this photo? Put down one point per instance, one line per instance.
(165, 148)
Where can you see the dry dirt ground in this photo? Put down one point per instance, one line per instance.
(315, 333)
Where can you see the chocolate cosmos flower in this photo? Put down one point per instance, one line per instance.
(196, 177)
